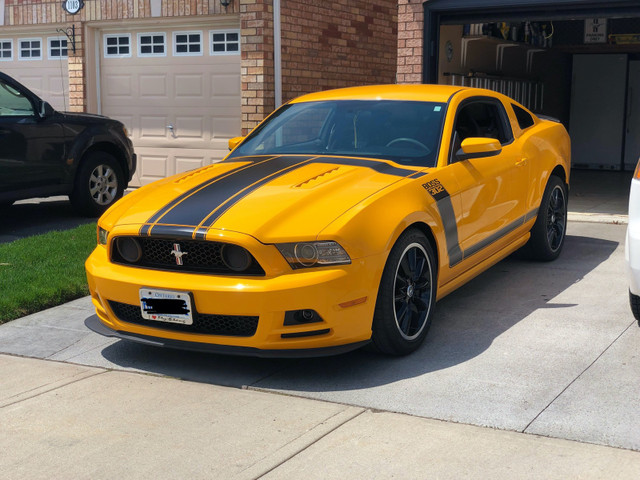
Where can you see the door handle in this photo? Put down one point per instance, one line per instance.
(171, 129)
(522, 162)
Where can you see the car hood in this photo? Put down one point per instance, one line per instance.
(272, 198)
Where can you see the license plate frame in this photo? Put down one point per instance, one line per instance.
(169, 306)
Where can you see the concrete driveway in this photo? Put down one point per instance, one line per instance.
(550, 349)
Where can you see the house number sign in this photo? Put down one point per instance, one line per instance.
(73, 6)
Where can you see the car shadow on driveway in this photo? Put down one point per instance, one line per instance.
(33, 217)
(465, 325)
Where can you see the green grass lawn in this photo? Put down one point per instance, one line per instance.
(44, 271)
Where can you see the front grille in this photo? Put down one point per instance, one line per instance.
(229, 325)
(199, 256)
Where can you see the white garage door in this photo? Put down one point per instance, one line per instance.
(39, 62)
(178, 92)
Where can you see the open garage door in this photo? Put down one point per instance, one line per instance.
(38, 61)
(556, 57)
(178, 92)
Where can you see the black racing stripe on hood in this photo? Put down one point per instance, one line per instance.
(159, 214)
(381, 167)
(195, 208)
(202, 205)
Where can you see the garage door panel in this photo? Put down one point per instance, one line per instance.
(119, 87)
(151, 167)
(152, 127)
(199, 96)
(153, 87)
(189, 86)
(185, 163)
(190, 127)
(155, 164)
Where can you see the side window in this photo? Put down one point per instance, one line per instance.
(480, 119)
(13, 103)
(524, 119)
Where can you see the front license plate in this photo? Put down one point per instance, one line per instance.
(166, 306)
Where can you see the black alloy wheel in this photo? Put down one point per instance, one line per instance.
(550, 229)
(556, 218)
(406, 297)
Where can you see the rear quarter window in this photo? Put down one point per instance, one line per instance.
(524, 119)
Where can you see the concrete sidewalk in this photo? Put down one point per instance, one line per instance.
(59, 420)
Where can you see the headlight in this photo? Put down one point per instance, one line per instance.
(313, 254)
(102, 236)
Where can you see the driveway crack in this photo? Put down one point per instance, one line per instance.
(576, 379)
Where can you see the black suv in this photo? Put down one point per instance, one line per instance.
(44, 152)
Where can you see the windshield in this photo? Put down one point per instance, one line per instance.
(406, 132)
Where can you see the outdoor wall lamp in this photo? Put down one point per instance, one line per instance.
(225, 3)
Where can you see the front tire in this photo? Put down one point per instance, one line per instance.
(407, 295)
(549, 231)
(99, 183)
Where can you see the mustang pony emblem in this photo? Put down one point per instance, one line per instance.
(176, 252)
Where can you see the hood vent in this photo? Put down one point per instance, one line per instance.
(318, 179)
(197, 171)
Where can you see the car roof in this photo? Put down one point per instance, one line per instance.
(422, 92)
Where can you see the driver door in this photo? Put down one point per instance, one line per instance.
(31, 147)
(493, 189)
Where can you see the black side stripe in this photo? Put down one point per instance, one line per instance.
(499, 234)
(448, 217)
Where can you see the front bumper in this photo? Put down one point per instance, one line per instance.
(94, 323)
(344, 297)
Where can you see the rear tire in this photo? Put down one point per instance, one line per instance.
(549, 231)
(99, 183)
(407, 296)
(634, 302)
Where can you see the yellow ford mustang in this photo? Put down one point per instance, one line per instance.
(339, 221)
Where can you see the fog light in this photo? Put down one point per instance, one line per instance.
(301, 317)
(235, 258)
(129, 249)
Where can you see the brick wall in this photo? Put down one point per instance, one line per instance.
(337, 44)
(257, 75)
(410, 40)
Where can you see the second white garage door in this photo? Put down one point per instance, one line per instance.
(178, 92)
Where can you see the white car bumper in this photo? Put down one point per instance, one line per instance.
(632, 244)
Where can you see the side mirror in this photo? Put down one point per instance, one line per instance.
(45, 109)
(233, 143)
(477, 147)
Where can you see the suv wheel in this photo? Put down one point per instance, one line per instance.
(99, 183)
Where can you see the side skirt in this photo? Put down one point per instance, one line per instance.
(446, 289)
